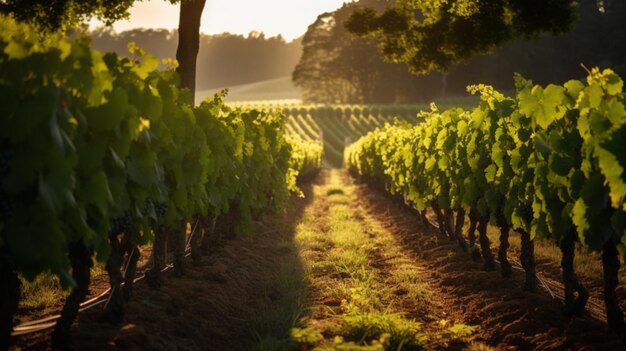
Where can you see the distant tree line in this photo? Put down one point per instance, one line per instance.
(337, 66)
(224, 59)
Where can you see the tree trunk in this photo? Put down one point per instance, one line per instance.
(440, 219)
(449, 221)
(189, 43)
(505, 266)
(131, 270)
(114, 309)
(180, 244)
(196, 240)
(527, 257)
(574, 305)
(225, 224)
(80, 260)
(424, 218)
(471, 234)
(9, 299)
(159, 251)
(610, 268)
(458, 230)
(485, 248)
(209, 241)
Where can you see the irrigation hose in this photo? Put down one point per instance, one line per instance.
(103, 298)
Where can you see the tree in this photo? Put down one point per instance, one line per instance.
(337, 67)
(433, 35)
(53, 15)
(189, 43)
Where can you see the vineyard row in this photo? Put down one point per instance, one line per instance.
(100, 154)
(548, 163)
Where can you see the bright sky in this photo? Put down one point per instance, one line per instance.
(287, 17)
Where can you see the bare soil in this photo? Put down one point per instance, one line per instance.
(213, 305)
(509, 318)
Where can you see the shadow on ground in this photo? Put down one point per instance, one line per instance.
(244, 293)
(507, 316)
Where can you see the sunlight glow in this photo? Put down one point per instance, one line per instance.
(290, 18)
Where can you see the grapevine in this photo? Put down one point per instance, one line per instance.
(108, 153)
(545, 163)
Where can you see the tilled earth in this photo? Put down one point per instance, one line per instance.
(212, 306)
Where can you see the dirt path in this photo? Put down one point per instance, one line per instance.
(366, 289)
(346, 268)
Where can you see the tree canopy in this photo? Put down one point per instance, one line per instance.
(332, 57)
(53, 15)
(432, 35)
(337, 67)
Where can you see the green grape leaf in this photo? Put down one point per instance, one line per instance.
(97, 191)
(574, 87)
(612, 161)
(108, 116)
(541, 145)
(598, 122)
(595, 94)
(594, 193)
(141, 166)
(490, 173)
(523, 134)
(614, 84)
(560, 164)
(528, 101)
(544, 105)
(576, 182)
(616, 112)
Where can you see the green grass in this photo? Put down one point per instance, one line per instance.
(355, 305)
(45, 290)
(274, 319)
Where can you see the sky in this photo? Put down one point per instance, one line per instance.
(290, 18)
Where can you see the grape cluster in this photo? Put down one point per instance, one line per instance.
(160, 208)
(147, 205)
(122, 224)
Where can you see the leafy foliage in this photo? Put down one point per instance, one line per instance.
(546, 161)
(91, 144)
(52, 15)
(337, 67)
(432, 35)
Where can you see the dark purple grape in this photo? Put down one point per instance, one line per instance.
(147, 205)
(122, 224)
(160, 208)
